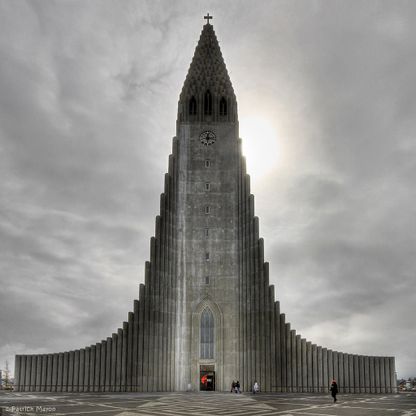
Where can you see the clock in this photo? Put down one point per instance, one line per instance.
(207, 138)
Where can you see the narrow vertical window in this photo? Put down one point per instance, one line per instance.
(207, 163)
(207, 256)
(207, 186)
(223, 107)
(207, 209)
(206, 232)
(208, 103)
(207, 334)
(192, 106)
(207, 280)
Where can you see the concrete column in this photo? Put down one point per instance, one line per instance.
(377, 374)
(33, 373)
(71, 371)
(129, 358)
(123, 380)
(273, 373)
(320, 369)
(134, 375)
(283, 351)
(146, 327)
(152, 329)
(367, 382)
(256, 301)
(155, 307)
(119, 358)
(108, 356)
(346, 373)
(81, 377)
(351, 373)
(304, 362)
(309, 366)
(382, 375)
(356, 374)
(252, 318)
(103, 364)
(288, 358)
(60, 372)
(278, 363)
(55, 367)
(17, 378)
(341, 380)
(372, 375)
(314, 369)
(293, 363)
(163, 375)
(87, 369)
(75, 381)
(114, 345)
(387, 374)
(65, 371)
(299, 363)
(393, 378)
(97, 367)
(330, 368)
(140, 346)
(22, 373)
(44, 376)
(269, 328)
(335, 365)
(325, 377)
(91, 381)
(262, 304)
(38, 370)
(362, 373)
(163, 292)
(28, 367)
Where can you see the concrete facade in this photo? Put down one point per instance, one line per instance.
(206, 284)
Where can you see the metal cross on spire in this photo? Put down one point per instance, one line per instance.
(208, 17)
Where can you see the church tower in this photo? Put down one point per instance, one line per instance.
(207, 227)
(206, 313)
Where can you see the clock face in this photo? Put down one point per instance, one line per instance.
(207, 138)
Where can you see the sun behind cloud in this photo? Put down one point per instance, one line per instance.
(260, 146)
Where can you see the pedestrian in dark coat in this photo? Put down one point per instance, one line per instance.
(334, 390)
(233, 386)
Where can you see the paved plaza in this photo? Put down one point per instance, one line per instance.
(157, 404)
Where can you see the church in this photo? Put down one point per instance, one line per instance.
(206, 314)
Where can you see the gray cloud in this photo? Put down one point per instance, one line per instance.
(88, 95)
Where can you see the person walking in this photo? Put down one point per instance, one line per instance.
(233, 386)
(256, 387)
(334, 390)
(237, 387)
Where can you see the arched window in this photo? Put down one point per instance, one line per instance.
(192, 106)
(223, 107)
(207, 334)
(208, 103)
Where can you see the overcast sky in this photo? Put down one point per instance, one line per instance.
(88, 102)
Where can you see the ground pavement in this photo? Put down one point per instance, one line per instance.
(207, 403)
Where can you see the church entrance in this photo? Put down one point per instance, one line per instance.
(207, 378)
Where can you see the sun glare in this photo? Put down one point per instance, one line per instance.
(260, 146)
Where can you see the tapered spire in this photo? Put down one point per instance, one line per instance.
(207, 74)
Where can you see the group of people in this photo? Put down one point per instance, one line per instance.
(235, 387)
